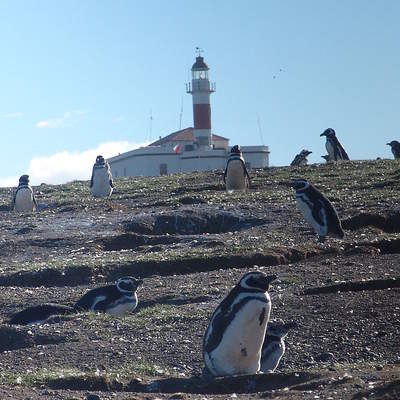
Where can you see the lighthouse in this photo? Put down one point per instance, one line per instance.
(200, 88)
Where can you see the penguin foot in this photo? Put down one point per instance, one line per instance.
(207, 375)
(321, 239)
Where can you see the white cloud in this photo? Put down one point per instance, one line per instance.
(12, 115)
(67, 166)
(68, 117)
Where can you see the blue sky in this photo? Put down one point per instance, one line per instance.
(77, 75)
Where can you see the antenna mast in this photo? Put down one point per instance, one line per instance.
(260, 130)
(151, 124)
(180, 115)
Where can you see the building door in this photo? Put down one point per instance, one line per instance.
(163, 169)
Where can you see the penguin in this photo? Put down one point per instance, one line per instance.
(24, 198)
(274, 346)
(39, 314)
(333, 147)
(395, 145)
(233, 339)
(318, 211)
(101, 182)
(301, 158)
(117, 299)
(236, 176)
(326, 158)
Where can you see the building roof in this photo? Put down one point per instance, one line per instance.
(185, 135)
(200, 64)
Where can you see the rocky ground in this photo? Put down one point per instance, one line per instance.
(191, 241)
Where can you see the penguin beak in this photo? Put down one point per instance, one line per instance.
(323, 134)
(139, 282)
(291, 325)
(388, 144)
(269, 279)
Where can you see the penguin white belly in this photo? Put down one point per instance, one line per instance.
(101, 183)
(331, 150)
(24, 201)
(235, 176)
(321, 230)
(303, 162)
(274, 352)
(239, 351)
(123, 307)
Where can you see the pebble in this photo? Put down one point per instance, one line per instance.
(323, 357)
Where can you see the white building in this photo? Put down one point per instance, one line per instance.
(190, 149)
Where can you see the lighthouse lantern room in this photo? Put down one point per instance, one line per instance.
(200, 88)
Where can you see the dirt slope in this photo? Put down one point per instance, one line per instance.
(191, 242)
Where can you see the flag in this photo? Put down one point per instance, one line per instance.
(177, 148)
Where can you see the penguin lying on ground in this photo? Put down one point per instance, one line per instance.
(117, 299)
(301, 158)
(335, 150)
(233, 340)
(274, 346)
(101, 183)
(236, 176)
(395, 145)
(24, 199)
(318, 211)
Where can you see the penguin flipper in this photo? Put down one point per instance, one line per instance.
(34, 202)
(318, 212)
(100, 306)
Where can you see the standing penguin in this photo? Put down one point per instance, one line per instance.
(395, 145)
(101, 183)
(318, 211)
(301, 158)
(24, 199)
(233, 340)
(335, 150)
(274, 346)
(236, 176)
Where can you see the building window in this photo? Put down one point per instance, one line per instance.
(163, 169)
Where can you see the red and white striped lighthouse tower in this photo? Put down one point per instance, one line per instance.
(200, 88)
